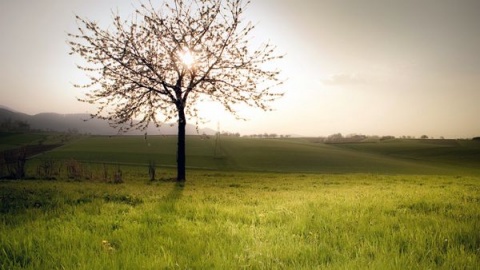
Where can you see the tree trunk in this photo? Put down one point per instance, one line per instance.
(181, 160)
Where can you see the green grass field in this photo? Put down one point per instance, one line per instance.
(283, 155)
(14, 140)
(256, 204)
(222, 220)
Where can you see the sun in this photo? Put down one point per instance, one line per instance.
(187, 58)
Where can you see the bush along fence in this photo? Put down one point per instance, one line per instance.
(13, 161)
(16, 165)
(74, 170)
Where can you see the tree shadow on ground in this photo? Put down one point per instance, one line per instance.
(176, 193)
(170, 200)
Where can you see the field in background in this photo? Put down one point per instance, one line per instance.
(10, 141)
(282, 155)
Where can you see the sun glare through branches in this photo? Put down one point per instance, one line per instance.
(170, 58)
(188, 58)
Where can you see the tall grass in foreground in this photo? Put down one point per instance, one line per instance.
(243, 221)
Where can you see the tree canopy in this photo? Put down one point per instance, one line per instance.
(160, 63)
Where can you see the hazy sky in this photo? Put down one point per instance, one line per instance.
(406, 67)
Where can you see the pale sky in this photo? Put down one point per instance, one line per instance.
(373, 67)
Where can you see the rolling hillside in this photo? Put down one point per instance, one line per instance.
(283, 155)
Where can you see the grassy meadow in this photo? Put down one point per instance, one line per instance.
(248, 204)
(281, 155)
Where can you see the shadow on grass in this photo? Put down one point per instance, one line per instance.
(170, 200)
(176, 193)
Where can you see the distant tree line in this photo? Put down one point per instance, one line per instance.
(9, 125)
(260, 135)
(334, 138)
(267, 136)
(352, 138)
(228, 134)
(339, 138)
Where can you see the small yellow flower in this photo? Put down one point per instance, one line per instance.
(107, 246)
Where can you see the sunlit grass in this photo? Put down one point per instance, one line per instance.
(226, 220)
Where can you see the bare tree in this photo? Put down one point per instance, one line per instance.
(161, 62)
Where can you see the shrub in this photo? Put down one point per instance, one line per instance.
(3, 167)
(105, 173)
(14, 163)
(117, 177)
(151, 170)
(47, 169)
(74, 169)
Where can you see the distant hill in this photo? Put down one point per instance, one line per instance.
(7, 108)
(84, 124)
